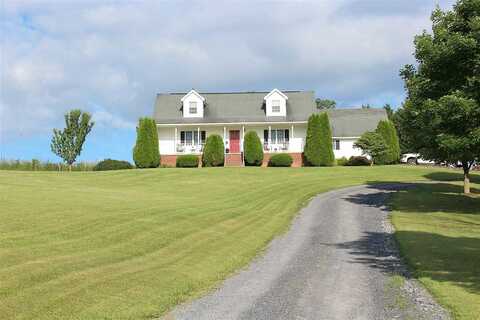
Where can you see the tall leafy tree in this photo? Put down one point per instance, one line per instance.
(373, 145)
(68, 143)
(325, 103)
(442, 111)
(146, 153)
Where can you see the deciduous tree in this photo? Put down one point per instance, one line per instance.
(68, 143)
(442, 111)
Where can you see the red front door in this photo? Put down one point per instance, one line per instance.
(234, 141)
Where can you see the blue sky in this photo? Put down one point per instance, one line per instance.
(110, 58)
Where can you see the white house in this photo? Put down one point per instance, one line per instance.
(184, 120)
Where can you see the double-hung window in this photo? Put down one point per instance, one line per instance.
(276, 106)
(192, 107)
(278, 136)
(190, 138)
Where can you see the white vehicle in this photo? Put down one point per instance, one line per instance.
(414, 158)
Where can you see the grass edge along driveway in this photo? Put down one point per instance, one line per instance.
(438, 231)
(132, 244)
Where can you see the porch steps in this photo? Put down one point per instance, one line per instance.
(233, 160)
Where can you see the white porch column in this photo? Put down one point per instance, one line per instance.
(243, 135)
(291, 138)
(198, 139)
(224, 137)
(175, 141)
(269, 137)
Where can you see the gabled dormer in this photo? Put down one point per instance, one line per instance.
(193, 105)
(275, 104)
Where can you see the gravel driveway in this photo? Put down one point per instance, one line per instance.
(333, 263)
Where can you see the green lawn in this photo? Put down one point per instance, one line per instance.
(132, 244)
(438, 230)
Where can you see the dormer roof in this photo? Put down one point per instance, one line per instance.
(194, 93)
(275, 91)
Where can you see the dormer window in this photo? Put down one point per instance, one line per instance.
(192, 108)
(275, 106)
(193, 105)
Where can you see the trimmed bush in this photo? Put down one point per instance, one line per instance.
(358, 161)
(318, 145)
(342, 161)
(373, 145)
(280, 160)
(214, 152)
(146, 153)
(187, 161)
(388, 131)
(253, 150)
(109, 164)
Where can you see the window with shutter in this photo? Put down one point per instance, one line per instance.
(182, 137)
(203, 136)
(336, 144)
(287, 135)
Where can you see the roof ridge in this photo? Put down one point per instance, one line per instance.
(232, 92)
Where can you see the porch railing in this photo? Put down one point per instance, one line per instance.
(276, 147)
(189, 148)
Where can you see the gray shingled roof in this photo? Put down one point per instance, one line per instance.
(249, 107)
(354, 122)
(234, 107)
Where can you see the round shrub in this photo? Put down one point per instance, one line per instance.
(342, 161)
(214, 152)
(358, 161)
(253, 150)
(109, 164)
(280, 160)
(187, 161)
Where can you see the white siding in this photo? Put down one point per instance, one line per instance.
(166, 136)
(192, 97)
(346, 148)
(283, 105)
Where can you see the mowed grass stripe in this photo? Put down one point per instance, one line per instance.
(131, 244)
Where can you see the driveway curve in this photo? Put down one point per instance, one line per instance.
(331, 264)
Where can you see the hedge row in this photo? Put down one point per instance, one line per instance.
(280, 160)
(187, 161)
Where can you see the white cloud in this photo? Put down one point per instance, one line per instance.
(61, 55)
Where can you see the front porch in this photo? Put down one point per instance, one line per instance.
(275, 139)
(183, 139)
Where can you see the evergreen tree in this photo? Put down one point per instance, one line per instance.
(146, 153)
(327, 157)
(214, 152)
(389, 134)
(253, 150)
(318, 144)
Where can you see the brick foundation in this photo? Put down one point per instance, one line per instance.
(170, 160)
(297, 159)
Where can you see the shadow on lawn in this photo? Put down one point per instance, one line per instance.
(431, 255)
(424, 197)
